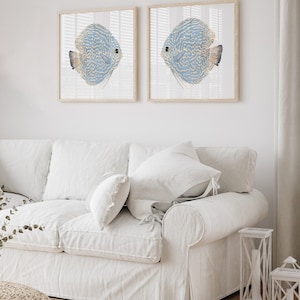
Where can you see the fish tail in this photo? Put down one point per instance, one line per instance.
(216, 54)
(74, 59)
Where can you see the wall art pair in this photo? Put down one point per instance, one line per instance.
(192, 53)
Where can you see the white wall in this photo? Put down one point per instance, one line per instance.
(29, 76)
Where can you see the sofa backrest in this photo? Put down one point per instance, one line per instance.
(237, 164)
(24, 166)
(77, 167)
(43, 170)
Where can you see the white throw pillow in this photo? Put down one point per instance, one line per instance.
(167, 175)
(237, 164)
(77, 167)
(91, 193)
(109, 198)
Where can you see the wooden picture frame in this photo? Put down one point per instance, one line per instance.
(193, 52)
(97, 55)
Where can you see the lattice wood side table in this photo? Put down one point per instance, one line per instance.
(255, 263)
(286, 281)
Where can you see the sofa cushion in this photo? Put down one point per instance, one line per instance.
(122, 239)
(139, 153)
(50, 214)
(167, 175)
(77, 167)
(13, 199)
(109, 198)
(24, 166)
(237, 164)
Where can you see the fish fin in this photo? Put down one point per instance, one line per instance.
(74, 59)
(178, 57)
(216, 54)
(103, 83)
(181, 82)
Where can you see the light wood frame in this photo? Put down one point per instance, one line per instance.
(70, 78)
(167, 93)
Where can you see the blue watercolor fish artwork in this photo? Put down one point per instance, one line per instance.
(98, 55)
(187, 51)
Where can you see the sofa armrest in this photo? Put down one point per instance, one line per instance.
(214, 217)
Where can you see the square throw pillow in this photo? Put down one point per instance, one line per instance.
(77, 167)
(108, 198)
(166, 176)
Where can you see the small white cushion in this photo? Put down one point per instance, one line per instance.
(77, 167)
(165, 176)
(109, 198)
(24, 166)
(91, 193)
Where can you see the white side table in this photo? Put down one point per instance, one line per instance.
(255, 263)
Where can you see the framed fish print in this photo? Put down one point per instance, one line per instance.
(193, 52)
(97, 56)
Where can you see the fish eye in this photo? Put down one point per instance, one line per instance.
(167, 49)
(116, 50)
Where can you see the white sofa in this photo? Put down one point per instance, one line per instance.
(193, 254)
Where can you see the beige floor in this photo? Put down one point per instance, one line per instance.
(235, 296)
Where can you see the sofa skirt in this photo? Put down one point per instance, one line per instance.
(80, 277)
(213, 273)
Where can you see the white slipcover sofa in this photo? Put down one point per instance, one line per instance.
(189, 252)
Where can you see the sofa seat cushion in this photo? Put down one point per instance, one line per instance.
(122, 239)
(50, 214)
